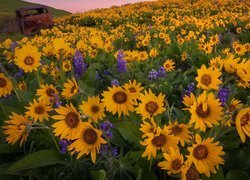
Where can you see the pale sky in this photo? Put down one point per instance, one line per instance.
(82, 5)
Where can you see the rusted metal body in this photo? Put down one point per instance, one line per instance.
(32, 19)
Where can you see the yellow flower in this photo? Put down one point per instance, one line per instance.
(206, 155)
(243, 123)
(173, 162)
(5, 86)
(180, 131)
(216, 62)
(17, 128)
(69, 122)
(148, 127)
(134, 88)
(160, 140)
(169, 65)
(38, 110)
(60, 47)
(243, 72)
(46, 93)
(188, 101)
(208, 78)
(189, 171)
(206, 111)
(70, 88)
(28, 58)
(88, 141)
(214, 40)
(184, 56)
(153, 52)
(239, 49)
(208, 48)
(67, 65)
(118, 100)
(143, 56)
(235, 104)
(151, 105)
(230, 64)
(93, 108)
(22, 86)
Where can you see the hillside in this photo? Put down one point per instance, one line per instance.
(9, 8)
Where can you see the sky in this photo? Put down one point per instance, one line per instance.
(82, 5)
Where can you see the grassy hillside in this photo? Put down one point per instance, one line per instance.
(9, 8)
(8, 28)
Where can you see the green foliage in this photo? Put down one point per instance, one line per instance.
(38, 159)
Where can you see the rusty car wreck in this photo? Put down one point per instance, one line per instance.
(32, 19)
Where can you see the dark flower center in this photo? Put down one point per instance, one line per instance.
(176, 164)
(73, 89)
(192, 174)
(132, 89)
(201, 113)
(2, 82)
(72, 120)
(200, 152)
(159, 141)
(176, 130)
(151, 107)
(232, 108)
(90, 136)
(50, 92)
(167, 66)
(29, 61)
(206, 79)
(120, 97)
(95, 109)
(245, 119)
(39, 110)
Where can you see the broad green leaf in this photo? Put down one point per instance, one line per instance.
(237, 174)
(218, 176)
(98, 175)
(9, 149)
(38, 159)
(130, 132)
(147, 174)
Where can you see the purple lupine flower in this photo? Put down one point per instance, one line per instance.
(79, 65)
(63, 145)
(56, 100)
(152, 74)
(97, 75)
(161, 73)
(107, 73)
(13, 46)
(115, 82)
(223, 95)
(187, 91)
(107, 127)
(121, 63)
(108, 151)
(19, 74)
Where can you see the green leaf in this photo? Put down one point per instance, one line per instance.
(147, 174)
(218, 176)
(87, 83)
(38, 159)
(237, 174)
(98, 175)
(130, 132)
(9, 149)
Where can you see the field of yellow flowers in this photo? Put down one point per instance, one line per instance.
(153, 90)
